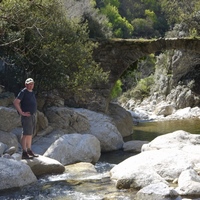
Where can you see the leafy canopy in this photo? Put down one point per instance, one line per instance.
(180, 10)
(38, 40)
(120, 25)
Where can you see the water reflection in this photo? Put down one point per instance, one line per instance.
(149, 131)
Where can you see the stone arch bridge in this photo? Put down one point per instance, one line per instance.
(116, 55)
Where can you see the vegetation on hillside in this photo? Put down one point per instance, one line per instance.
(155, 19)
(135, 19)
(50, 40)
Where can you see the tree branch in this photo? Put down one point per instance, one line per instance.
(6, 44)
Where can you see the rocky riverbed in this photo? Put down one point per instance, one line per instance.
(162, 167)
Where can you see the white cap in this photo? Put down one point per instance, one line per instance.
(29, 80)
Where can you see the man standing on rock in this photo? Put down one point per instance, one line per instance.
(26, 105)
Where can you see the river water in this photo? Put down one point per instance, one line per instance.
(149, 131)
(98, 187)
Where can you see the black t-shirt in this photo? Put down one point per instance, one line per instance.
(28, 101)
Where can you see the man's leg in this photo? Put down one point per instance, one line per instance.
(26, 143)
(29, 125)
(23, 142)
(28, 146)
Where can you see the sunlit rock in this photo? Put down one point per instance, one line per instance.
(164, 109)
(9, 139)
(43, 165)
(104, 129)
(158, 191)
(15, 174)
(9, 119)
(122, 119)
(67, 119)
(73, 148)
(170, 157)
(177, 139)
(80, 170)
(134, 145)
(189, 183)
(42, 143)
(166, 163)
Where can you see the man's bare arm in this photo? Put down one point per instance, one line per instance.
(16, 103)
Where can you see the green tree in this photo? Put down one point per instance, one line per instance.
(86, 11)
(152, 5)
(115, 3)
(116, 90)
(143, 28)
(150, 15)
(121, 27)
(185, 13)
(38, 40)
(143, 88)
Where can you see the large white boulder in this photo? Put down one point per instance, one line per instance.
(103, 127)
(189, 183)
(134, 145)
(168, 158)
(166, 163)
(9, 119)
(43, 165)
(9, 139)
(122, 119)
(42, 143)
(158, 191)
(15, 174)
(164, 109)
(73, 148)
(67, 119)
(177, 139)
(97, 124)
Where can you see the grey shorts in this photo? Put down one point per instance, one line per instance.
(28, 124)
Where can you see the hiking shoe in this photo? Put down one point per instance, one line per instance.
(30, 153)
(26, 156)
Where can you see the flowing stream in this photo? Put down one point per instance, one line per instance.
(99, 186)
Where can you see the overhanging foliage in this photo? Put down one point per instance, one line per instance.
(38, 40)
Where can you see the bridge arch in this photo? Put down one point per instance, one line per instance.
(116, 55)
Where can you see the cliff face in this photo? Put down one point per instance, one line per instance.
(177, 78)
